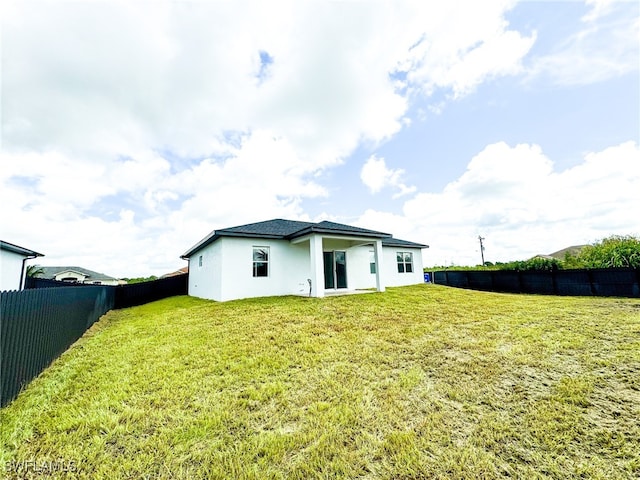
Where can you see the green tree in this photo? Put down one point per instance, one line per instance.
(610, 252)
(536, 263)
(34, 270)
(140, 279)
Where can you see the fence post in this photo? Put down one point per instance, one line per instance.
(592, 287)
(519, 281)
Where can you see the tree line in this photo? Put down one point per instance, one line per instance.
(615, 251)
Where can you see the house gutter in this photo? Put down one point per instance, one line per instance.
(24, 264)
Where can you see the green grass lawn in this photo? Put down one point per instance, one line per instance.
(416, 382)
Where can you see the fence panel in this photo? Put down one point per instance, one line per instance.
(35, 282)
(618, 282)
(440, 277)
(572, 282)
(457, 279)
(479, 280)
(507, 282)
(40, 324)
(145, 292)
(537, 282)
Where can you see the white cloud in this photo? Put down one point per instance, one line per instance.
(607, 46)
(375, 175)
(599, 8)
(515, 199)
(131, 129)
(458, 51)
(105, 78)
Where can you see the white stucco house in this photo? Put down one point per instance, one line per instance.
(13, 267)
(287, 257)
(78, 275)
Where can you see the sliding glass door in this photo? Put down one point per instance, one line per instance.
(335, 269)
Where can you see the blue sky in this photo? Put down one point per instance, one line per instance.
(130, 130)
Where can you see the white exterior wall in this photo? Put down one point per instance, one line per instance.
(114, 282)
(205, 280)
(227, 268)
(10, 270)
(81, 278)
(359, 274)
(289, 268)
(78, 277)
(395, 279)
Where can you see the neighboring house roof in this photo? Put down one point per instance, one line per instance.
(180, 271)
(292, 229)
(19, 250)
(561, 254)
(573, 250)
(51, 272)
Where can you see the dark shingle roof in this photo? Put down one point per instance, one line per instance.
(277, 228)
(51, 272)
(336, 229)
(396, 242)
(291, 229)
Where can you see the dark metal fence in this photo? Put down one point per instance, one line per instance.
(38, 324)
(35, 282)
(606, 282)
(145, 292)
(128, 295)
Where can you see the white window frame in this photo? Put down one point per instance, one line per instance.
(255, 263)
(402, 264)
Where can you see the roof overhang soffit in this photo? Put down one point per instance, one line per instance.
(358, 240)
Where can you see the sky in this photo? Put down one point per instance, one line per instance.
(132, 129)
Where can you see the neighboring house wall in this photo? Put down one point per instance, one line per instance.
(69, 276)
(102, 281)
(89, 279)
(11, 270)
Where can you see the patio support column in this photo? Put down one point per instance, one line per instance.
(317, 266)
(377, 251)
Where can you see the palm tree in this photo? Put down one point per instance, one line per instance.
(34, 270)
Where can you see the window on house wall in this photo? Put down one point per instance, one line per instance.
(372, 261)
(200, 261)
(405, 262)
(260, 261)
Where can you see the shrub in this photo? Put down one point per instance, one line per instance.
(613, 251)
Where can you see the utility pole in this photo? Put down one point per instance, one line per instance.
(481, 248)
